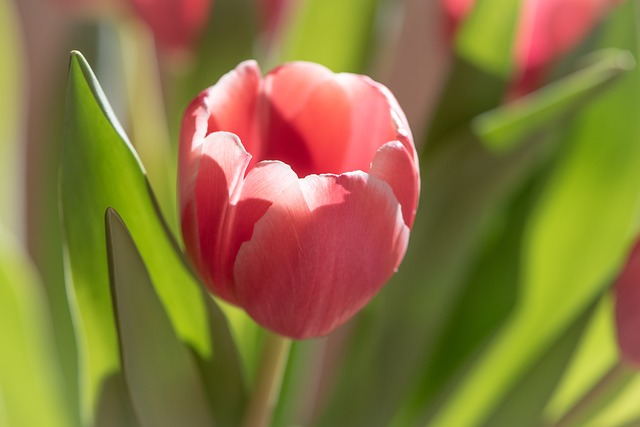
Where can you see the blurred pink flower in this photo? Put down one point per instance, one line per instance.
(547, 29)
(176, 24)
(297, 193)
(627, 300)
(272, 13)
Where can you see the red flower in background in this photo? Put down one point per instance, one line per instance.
(627, 300)
(297, 192)
(176, 24)
(547, 29)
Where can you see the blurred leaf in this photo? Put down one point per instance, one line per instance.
(100, 169)
(487, 36)
(469, 92)
(506, 125)
(334, 33)
(569, 254)
(31, 383)
(11, 109)
(527, 398)
(597, 353)
(623, 411)
(160, 374)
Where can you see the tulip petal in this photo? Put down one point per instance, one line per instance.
(627, 294)
(176, 24)
(222, 166)
(394, 165)
(232, 102)
(228, 106)
(305, 118)
(323, 248)
(376, 119)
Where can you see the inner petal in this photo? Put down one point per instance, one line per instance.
(307, 129)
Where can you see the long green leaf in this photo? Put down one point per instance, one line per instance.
(526, 400)
(577, 237)
(597, 353)
(161, 375)
(99, 169)
(506, 125)
(31, 385)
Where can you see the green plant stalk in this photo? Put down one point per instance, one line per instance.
(266, 390)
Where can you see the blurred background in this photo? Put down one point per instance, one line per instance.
(526, 117)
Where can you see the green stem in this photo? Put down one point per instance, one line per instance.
(268, 381)
(611, 380)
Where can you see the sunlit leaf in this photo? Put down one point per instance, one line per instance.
(597, 353)
(527, 398)
(511, 123)
(31, 385)
(569, 254)
(99, 169)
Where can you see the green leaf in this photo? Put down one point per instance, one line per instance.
(597, 353)
(623, 411)
(597, 389)
(161, 375)
(487, 36)
(527, 398)
(99, 169)
(506, 125)
(31, 384)
(569, 254)
(334, 33)
(11, 107)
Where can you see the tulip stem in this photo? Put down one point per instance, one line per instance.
(266, 391)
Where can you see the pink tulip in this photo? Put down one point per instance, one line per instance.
(627, 299)
(297, 192)
(547, 29)
(176, 24)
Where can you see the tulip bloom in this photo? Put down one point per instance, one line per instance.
(297, 191)
(547, 29)
(627, 300)
(176, 24)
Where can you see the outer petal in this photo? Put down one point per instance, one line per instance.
(227, 106)
(376, 118)
(222, 166)
(176, 24)
(232, 102)
(320, 252)
(394, 165)
(627, 294)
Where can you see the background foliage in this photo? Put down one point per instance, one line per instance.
(500, 315)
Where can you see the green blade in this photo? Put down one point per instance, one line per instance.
(569, 254)
(100, 169)
(503, 127)
(161, 375)
(31, 385)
